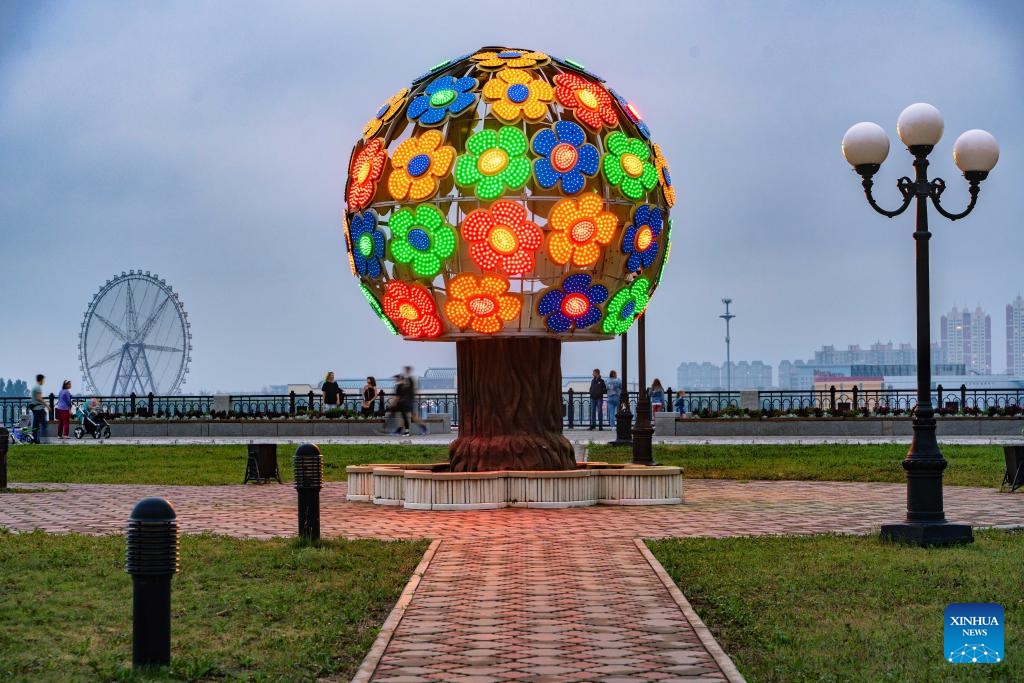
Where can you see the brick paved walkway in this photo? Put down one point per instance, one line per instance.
(527, 594)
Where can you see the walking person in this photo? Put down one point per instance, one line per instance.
(39, 410)
(403, 403)
(598, 389)
(614, 386)
(413, 403)
(64, 400)
(370, 395)
(333, 394)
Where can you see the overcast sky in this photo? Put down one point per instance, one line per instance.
(208, 142)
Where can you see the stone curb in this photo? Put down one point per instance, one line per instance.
(373, 657)
(729, 670)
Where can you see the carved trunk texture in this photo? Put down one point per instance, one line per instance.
(510, 406)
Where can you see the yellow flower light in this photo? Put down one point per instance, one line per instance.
(578, 229)
(481, 304)
(664, 177)
(418, 165)
(514, 59)
(515, 94)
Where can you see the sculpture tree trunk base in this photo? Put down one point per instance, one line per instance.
(510, 406)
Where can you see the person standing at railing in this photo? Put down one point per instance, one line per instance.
(333, 394)
(64, 400)
(370, 394)
(614, 386)
(598, 389)
(657, 395)
(38, 408)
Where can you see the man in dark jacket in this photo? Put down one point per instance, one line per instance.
(597, 391)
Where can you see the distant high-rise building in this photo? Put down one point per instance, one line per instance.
(966, 338)
(1015, 337)
(699, 376)
(710, 377)
(877, 360)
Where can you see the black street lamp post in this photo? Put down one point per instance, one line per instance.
(643, 431)
(865, 146)
(623, 416)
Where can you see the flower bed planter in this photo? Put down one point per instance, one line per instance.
(257, 428)
(670, 425)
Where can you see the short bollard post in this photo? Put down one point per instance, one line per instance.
(308, 464)
(4, 442)
(152, 559)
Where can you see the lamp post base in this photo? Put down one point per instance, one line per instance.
(623, 428)
(928, 534)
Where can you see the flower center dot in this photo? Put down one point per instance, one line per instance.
(418, 165)
(587, 98)
(419, 239)
(492, 162)
(502, 240)
(362, 172)
(628, 310)
(481, 305)
(632, 165)
(644, 237)
(583, 231)
(563, 157)
(365, 245)
(408, 311)
(510, 54)
(668, 177)
(383, 110)
(575, 305)
(443, 97)
(518, 93)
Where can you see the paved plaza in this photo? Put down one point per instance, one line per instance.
(526, 594)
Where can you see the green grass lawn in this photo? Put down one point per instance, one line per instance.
(847, 608)
(968, 465)
(199, 465)
(241, 610)
(206, 465)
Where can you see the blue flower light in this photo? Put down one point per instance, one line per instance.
(564, 156)
(573, 305)
(640, 239)
(442, 97)
(367, 243)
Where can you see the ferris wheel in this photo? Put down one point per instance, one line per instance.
(135, 337)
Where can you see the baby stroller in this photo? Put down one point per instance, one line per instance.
(91, 422)
(21, 432)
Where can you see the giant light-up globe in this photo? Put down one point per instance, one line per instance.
(508, 200)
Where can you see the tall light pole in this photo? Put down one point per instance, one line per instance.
(728, 358)
(865, 147)
(642, 432)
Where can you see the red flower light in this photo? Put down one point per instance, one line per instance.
(412, 309)
(590, 103)
(364, 171)
(502, 238)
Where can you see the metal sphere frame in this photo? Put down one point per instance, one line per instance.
(925, 522)
(135, 337)
(395, 125)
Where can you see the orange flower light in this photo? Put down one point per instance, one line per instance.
(510, 58)
(664, 177)
(386, 112)
(515, 94)
(412, 309)
(502, 238)
(590, 103)
(364, 171)
(578, 229)
(418, 165)
(481, 304)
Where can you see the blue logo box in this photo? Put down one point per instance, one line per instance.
(974, 633)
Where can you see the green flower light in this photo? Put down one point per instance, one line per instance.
(495, 160)
(627, 167)
(626, 306)
(375, 305)
(421, 237)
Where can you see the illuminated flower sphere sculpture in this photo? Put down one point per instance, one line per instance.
(508, 201)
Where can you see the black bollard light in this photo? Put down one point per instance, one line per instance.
(308, 464)
(152, 559)
(4, 442)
